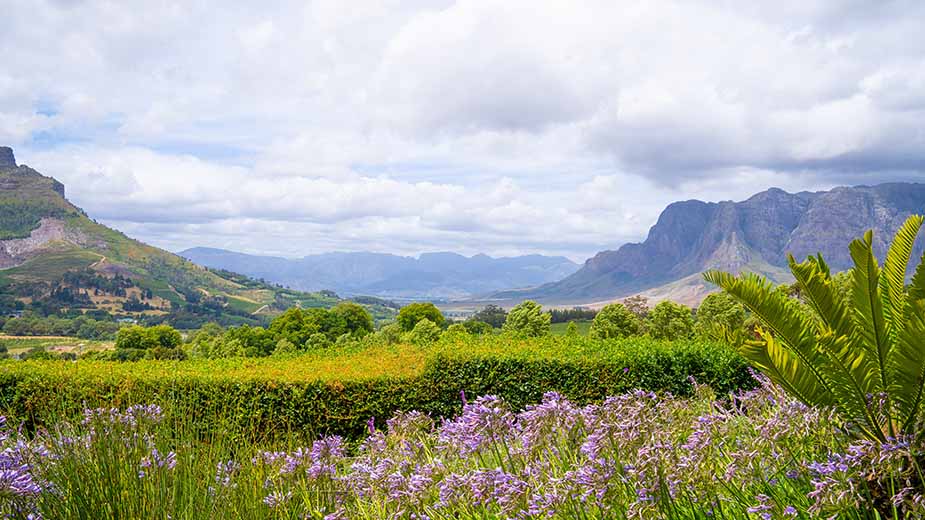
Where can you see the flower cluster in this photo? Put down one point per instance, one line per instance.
(755, 454)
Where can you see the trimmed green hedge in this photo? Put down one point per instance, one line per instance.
(41, 393)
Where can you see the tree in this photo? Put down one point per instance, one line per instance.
(571, 330)
(425, 332)
(134, 337)
(719, 312)
(615, 321)
(456, 331)
(163, 336)
(318, 341)
(291, 325)
(671, 321)
(284, 347)
(477, 327)
(357, 319)
(638, 305)
(528, 319)
(410, 315)
(492, 315)
(843, 352)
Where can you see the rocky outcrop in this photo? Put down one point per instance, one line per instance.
(15, 251)
(7, 159)
(756, 234)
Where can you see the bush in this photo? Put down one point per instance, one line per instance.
(456, 332)
(318, 340)
(615, 321)
(176, 354)
(284, 347)
(719, 311)
(671, 321)
(478, 327)
(425, 333)
(410, 315)
(141, 338)
(390, 334)
(528, 320)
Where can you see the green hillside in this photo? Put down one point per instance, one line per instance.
(54, 258)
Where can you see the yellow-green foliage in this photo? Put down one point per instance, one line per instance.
(338, 389)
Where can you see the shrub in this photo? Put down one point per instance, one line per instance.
(284, 347)
(719, 311)
(176, 354)
(318, 340)
(671, 321)
(528, 319)
(425, 332)
(142, 338)
(390, 334)
(410, 315)
(455, 332)
(478, 327)
(615, 321)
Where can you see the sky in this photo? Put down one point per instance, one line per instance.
(503, 127)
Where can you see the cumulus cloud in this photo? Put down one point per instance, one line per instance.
(554, 126)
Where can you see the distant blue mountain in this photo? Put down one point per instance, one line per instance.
(432, 275)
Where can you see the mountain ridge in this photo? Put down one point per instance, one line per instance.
(54, 257)
(438, 274)
(755, 235)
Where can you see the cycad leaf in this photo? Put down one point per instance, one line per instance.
(870, 326)
(786, 369)
(917, 287)
(907, 365)
(822, 296)
(893, 276)
(847, 382)
(788, 325)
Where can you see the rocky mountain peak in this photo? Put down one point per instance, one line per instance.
(7, 159)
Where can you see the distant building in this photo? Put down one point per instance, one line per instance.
(15, 314)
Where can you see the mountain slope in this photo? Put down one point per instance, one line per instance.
(432, 275)
(52, 256)
(753, 235)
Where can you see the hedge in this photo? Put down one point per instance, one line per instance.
(40, 393)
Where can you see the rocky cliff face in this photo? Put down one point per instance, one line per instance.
(7, 159)
(755, 235)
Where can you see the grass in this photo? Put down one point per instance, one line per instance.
(558, 329)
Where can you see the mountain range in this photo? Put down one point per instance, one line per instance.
(753, 235)
(54, 257)
(53, 254)
(430, 276)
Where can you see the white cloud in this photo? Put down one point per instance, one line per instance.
(472, 125)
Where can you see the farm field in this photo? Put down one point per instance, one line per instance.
(55, 344)
(559, 329)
